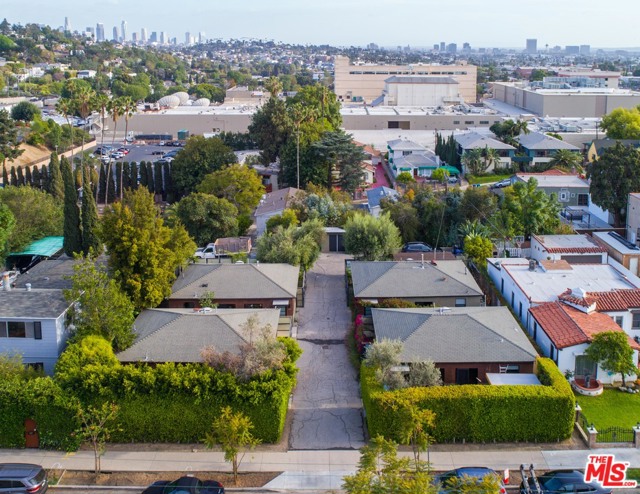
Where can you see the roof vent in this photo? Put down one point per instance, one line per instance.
(532, 264)
(28, 286)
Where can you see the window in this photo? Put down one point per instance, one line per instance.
(513, 298)
(618, 320)
(367, 311)
(468, 122)
(38, 366)
(520, 311)
(424, 304)
(226, 306)
(635, 324)
(502, 286)
(535, 330)
(513, 369)
(16, 329)
(189, 305)
(484, 122)
(37, 330)
(253, 306)
(461, 302)
(583, 199)
(467, 376)
(283, 309)
(456, 122)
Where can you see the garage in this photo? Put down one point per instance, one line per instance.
(333, 240)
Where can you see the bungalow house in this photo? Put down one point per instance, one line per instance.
(237, 286)
(564, 331)
(273, 203)
(469, 141)
(375, 196)
(540, 148)
(493, 342)
(180, 335)
(33, 325)
(570, 189)
(402, 147)
(526, 283)
(599, 146)
(428, 284)
(574, 249)
(417, 164)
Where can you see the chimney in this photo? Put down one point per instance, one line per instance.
(28, 286)
(6, 284)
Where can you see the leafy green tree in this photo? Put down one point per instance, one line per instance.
(344, 158)
(478, 249)
(508, 130)
(285, 220)
(405, 217)
(232, 431)
(440, 174)
(36, 214)
(380, 471)
(9, 146)
(371, 239)
(101, 308)
(207, 217)
(323, 103)
(199, 157)
(424, 374)
(478, 203)
(612, 351)
(143, 252)
(473, 485)
(7, 224)
(295, 246)
(96, 427)
(270, 126)
(6, 44)
(533, 211)
(72, 227)
(330, 207)
(405, 178)
(416, 422)
(622, 123)
(384, 356)
(89, 210)
(25, 111)
(238, 184)
(613, 177)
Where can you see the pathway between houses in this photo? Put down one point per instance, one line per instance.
(326, 405)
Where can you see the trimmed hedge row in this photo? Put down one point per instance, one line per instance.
(476, 413)
(42, 400)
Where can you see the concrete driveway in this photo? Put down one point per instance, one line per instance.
(326, 405)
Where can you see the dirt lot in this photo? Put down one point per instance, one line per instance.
(71, 477)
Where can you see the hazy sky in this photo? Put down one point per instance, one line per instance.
(483, 23)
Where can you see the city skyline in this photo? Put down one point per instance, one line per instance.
(353, 22)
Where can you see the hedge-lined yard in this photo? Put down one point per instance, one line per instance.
(479, 413)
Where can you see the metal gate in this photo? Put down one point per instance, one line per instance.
(615, 435)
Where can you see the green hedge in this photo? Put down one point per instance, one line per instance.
(477, 413)
(42, 400)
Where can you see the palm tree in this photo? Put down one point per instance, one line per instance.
(564, 159)
(491, 158)
(65, 106)
(84, 100)
(472, 161)
(298, 114)
(114, 107)
(100, 103)
(128, 109)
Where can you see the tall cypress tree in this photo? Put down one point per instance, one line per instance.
(44, 178)
(90, 241)
(5, 177)
(28, 178)
(72, 234)
(119, 179)
(56, 184)
(133, 175)
(21, 180)
(126, 175)
(169, 193)
(102, 184)
(14, 177)
(111, 188)
(157, 178)
(150, 183)
(36, 180)
(143, 174)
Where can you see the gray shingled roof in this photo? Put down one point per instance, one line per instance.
(416, 159)
(404, 279)
(542, 142)
(473, 140)
(34, 304)
(179, 335)
(276, 201)
(469, 334)
(374, 196)
(416, 79)
(234, 281)
(52, 273)
(404, 145)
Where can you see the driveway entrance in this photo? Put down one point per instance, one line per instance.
(326, 406)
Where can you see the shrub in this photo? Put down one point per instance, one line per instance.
(478, 413)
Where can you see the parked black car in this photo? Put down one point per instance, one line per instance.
(185, 485)
(561, 481)
(416, 247)
(27, 478)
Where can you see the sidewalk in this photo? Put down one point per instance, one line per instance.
(307, 470)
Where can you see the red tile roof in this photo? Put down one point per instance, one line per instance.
(614, 300)
(567, 326)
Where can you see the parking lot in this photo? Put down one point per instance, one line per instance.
(141, 152)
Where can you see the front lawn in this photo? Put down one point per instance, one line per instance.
(611, 408)
(486, 179)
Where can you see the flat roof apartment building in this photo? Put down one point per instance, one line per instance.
(365, 83)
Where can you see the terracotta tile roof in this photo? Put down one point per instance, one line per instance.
(614, 300)
(567, 326)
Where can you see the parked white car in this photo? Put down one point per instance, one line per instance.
(208, 252)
